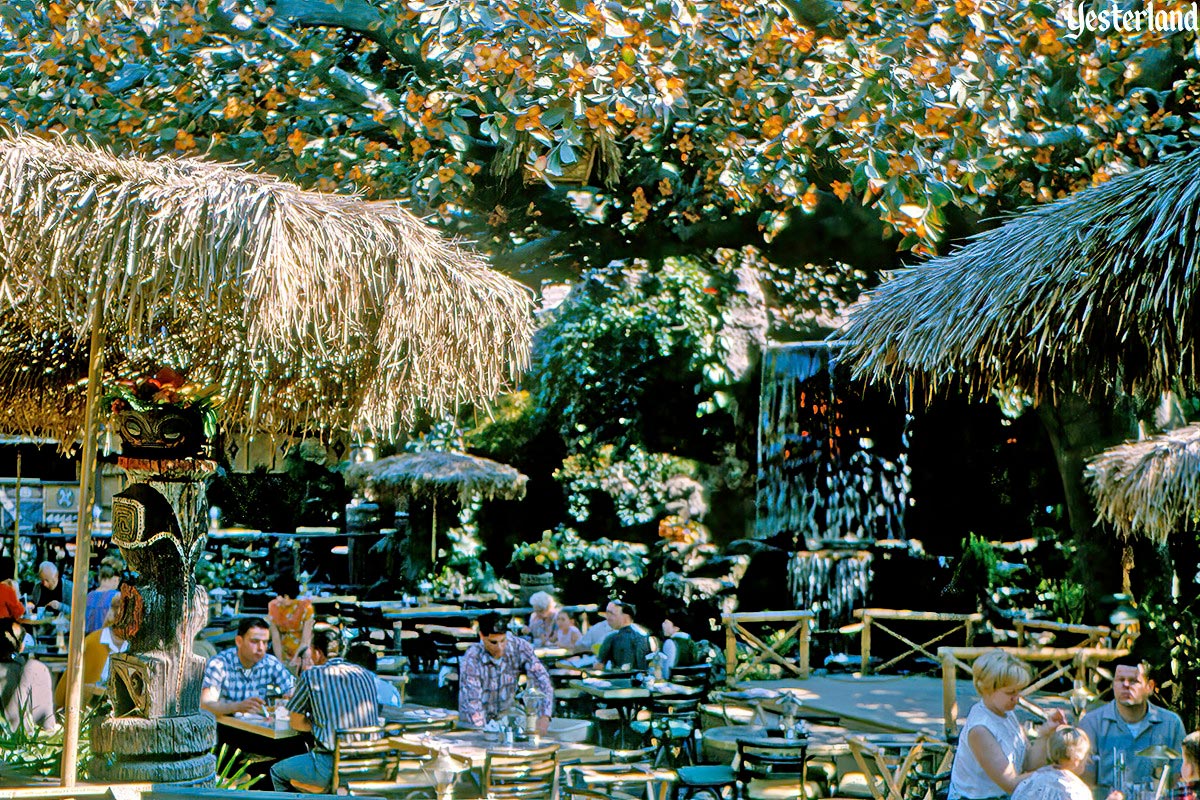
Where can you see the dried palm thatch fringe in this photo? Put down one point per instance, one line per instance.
(312, 311)
(431, 473)
(1150, 487)
(1086, 293)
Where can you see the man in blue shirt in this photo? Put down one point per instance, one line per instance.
(1121, 729)
(240, 678)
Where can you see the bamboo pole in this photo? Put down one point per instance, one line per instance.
(83, 546)
(17, 522)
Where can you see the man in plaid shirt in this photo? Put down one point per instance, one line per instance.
(488, 673)
(237, 679)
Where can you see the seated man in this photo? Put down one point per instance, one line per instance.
(237, 679)
(52, 592)
(488, 673)
(331, 696)
(626, 648)
(595, 635)
(1124, 727)
(361, 654)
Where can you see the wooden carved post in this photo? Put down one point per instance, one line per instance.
(156, 731)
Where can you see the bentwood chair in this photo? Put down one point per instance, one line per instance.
(774, 770)
(531, 775)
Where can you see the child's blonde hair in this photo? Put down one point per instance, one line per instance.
(997, 669)
(1067, 744)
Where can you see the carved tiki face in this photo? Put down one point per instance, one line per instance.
(163, 432)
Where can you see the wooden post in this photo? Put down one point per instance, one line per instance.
(16, 551)
(83, 546)
(805, 643)
(970, 624)
(866, 644)
(730, 652)
(949, 694)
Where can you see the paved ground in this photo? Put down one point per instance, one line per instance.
(909, 704)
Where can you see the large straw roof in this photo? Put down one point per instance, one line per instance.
(312, 311)
(1150, 487)
(1085, 293)
(432, 473)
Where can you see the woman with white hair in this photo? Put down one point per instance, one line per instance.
(542, 621)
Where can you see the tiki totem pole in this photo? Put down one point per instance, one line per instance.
(156, 731)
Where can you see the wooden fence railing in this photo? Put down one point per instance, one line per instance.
(735, 627)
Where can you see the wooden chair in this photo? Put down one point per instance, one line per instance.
(673, 727)
(773, 771)
(697, 675)
(887, 767)
(532, 775)
(359, 753)
(582, 793)
(631, 780)
(413, 777)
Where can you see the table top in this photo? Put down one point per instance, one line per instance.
(458, 633)
(281, 729)
(410, 713)
(475, 745)
(823, 740)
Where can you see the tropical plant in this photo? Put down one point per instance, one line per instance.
(231, 769)
(604, 560)
(636, 482)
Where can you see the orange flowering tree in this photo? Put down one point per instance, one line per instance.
(818, 130)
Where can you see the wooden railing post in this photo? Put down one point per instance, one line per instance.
(730, 652)
(949, 694)
(866, 644)
(805, 643)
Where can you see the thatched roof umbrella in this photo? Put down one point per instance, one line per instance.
(313, 312)
(430, 474)
(1092, 290)
(1150, 486)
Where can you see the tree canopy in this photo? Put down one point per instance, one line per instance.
(819, 131)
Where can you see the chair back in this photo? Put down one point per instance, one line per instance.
(697, 675)
(363, 753)
(674, 720)
(770, 761)
(531, 775)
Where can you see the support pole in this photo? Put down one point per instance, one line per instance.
(16, 553)
(83, 546)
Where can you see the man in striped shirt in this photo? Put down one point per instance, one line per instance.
(333, 695)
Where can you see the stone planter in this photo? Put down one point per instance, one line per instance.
(534, 582)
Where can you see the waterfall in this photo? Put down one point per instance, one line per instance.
(825, 475)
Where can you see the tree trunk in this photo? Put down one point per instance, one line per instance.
(1077, 431)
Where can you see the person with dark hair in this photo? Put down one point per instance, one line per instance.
(108, 578)
(239, 679)
(678, 648)
(489, 671)
(291, 618)
(1126, 726)
(26, 686)
(360, 653)
(333, 695)
(625, 648)
(11, 606)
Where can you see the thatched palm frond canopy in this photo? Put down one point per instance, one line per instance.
(312, 311)
(1151, 487)
(431, 473)
(1090, 291)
